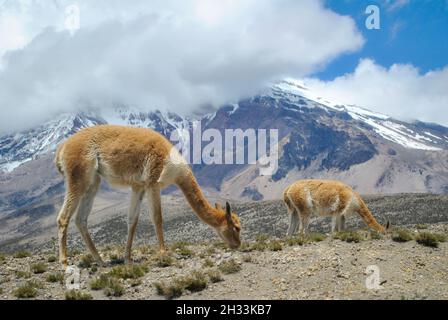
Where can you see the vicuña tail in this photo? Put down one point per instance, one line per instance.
(368, 218)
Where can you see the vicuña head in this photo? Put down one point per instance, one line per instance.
(138, 158)
(230, 228)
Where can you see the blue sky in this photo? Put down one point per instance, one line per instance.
(412, 32)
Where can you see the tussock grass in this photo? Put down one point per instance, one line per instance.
(22, 274)
(51, 258)
(22, 254)
(421, 226)
(375, 235)
(304, 239)
(402, 235)
(110, 285)
(194, 282)
(77, 295)
(27, 290)
(129, 271)
(429, 239)
(163, 260)
(275, 245)
(170, 290)
(215, 276)
(55, 277)
(86, 261)
(182, 248)
(208, 263)
(114, 289)
(39, 267)
(229, 267)
(349, 236)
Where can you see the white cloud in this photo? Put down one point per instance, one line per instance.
(164, 54)
(400, 91)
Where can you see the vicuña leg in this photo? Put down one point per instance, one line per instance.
(304, 221)
(69, 206)
(293, 223)
(134, 212)
(340, 223)
(155, 208)
(84, 210)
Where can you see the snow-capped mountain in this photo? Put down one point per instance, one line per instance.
(410, 135)
(318, 138)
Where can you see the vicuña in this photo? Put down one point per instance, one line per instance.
(138, 158)
(305, 198)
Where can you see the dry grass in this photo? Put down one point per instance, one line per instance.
(129, 271)
(429, 239)
(55, 277)
(39, 267)
(22, 254)
(27, 290)
(229, 267)
(349, 236)
(196, 281)
(77, 295)
(402, 235)
(86, 261)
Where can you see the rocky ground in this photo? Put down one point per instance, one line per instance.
(316, 267)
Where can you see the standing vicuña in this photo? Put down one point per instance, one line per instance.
(134, 157)
(325, 198)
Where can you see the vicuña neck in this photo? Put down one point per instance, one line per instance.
(197, 201)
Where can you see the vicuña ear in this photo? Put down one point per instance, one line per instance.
(228, 212)
(218, 206)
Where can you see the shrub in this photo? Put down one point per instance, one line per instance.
(275, 245)
(208, 263)
(229, 266)
(421, 226)
(349, 236)
(402, 235)
(246, 247)
(22, 274)
(113, 288)
(25, 291)
(86, 261)
(169, 290)
(55, 277)
(2, 257)
(430, 239)
(100, 282)
(39, 267)
(315, 237)
(247, 258)
(375, 235)
(182, 249)
(195, 282)
(163, 260)
(22, 254)
(129, 272)
(215, 276)
(51, 258)
(110, 286)
(77, 295)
